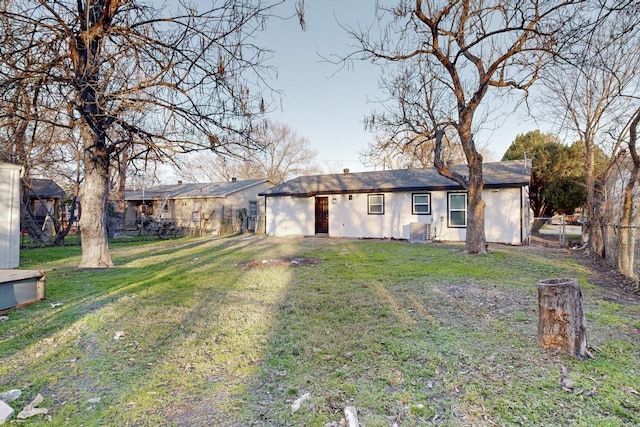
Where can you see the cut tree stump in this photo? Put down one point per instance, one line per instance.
(562, 323)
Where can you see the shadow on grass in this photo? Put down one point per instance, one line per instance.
(181, 334)
(418, 335)
(73, 293)
(118, 331)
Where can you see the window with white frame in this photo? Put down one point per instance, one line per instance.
(457, 209)
(421, 204)
(376, 204)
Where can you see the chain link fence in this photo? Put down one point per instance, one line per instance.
(612, 244)
(568, 232)
(559, 230)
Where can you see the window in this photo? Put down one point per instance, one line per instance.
(195, 212)
(376, 204)
(421, 204)
(457, 209)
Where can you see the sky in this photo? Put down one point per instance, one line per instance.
(321, 101)
(327, 104)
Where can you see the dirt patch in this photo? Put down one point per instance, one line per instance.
(281, 262)
(487, 298)
(620, 289)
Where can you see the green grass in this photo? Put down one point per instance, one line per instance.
(183, 333)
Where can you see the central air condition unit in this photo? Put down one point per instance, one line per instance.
(420, 232)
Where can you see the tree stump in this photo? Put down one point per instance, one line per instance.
(562, 323)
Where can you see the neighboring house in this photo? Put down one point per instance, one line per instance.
(214, 207)
(412, 204)
(46, 200)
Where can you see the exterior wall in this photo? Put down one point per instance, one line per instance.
(198, 215)
(242, 200)
(349, 218)
(504, 216)
(438, 218)
(130, 213)
(9, 215)
(290, 216)
(208, 215)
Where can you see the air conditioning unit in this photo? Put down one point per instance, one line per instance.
(420, 232)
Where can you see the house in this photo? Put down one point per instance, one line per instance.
(202, 208)
(46, 199)
(412, 204)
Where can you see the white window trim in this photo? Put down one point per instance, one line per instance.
(450, 210)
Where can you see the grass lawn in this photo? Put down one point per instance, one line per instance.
(233, 332)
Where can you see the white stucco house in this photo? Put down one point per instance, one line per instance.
(411, 204)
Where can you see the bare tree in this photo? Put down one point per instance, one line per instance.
(117, 189)
(209, 167)
(66, 171)
(625, 253)
(20, 142)
(587, 94)
(191, 79)
(284, 155)
(408, 151)
(445, 60)
(27, 133)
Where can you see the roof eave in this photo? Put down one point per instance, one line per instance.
(456, 187)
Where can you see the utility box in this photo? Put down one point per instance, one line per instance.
(10, 215)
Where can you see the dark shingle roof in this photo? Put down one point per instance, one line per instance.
(496, 175)
(192, 191)
(46, 188)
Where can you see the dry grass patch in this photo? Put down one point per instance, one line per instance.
(204, 332)
(292, 261)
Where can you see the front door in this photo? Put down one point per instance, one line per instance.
(322, 215)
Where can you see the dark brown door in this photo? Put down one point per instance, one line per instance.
(322, 215)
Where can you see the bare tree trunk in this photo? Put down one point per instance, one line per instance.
(537, 224)
(592, 218)
(121, 206)
(626, 235)
(625, 251)
(626, 244)
(598, 232)
(476, 241)
(85, 51)
(64, 228)
(95, 243)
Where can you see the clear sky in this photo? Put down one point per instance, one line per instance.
(328, 105)
(322, 102)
